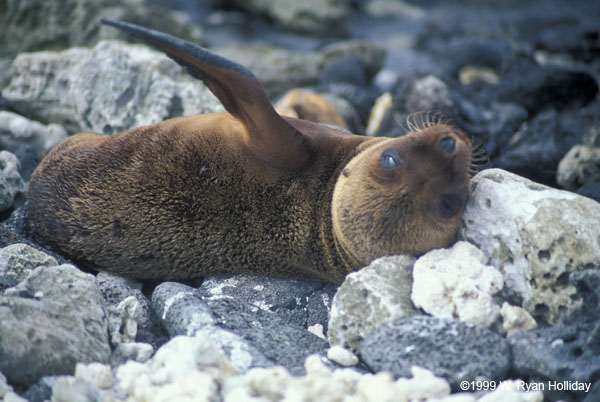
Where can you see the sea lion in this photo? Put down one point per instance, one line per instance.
(245, 191)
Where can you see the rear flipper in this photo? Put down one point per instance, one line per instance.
(270, 137)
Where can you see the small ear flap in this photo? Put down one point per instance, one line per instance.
(270, 137)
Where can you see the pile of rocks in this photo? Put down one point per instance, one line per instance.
(514, 302)
(480, 310)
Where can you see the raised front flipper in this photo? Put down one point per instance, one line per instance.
(270, 137)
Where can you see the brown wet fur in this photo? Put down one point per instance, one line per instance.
(309, 105)
(244, 192)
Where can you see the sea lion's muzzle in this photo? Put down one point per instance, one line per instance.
(450, 204)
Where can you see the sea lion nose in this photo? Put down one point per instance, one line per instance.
(447, 144)
(450, 204)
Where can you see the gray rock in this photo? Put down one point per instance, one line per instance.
(17, 261)
(454, 350)
(581, 165)
(116, 289)
(540, 139)
(183, 312)
(349, 70)
(329, 17)
(288, 298)
(29, 25)
(41, 391)
(28, 140)
(562, 353)
(430, 93)
(501, 121)
(7, 393)
(181, 309)
(536, 147)
(10, 234)
(536, 236)
(280, 70)
(319, 306)
(242, 354)
(587, 283)
(49, 322)
(12, 184)
(417, 97)
(590, 190)
(279, 341)
(459, 52)
(359, 102)
(594, 394)
(368, 298)
(538, 88)
(109, 88)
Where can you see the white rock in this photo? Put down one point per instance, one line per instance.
(318, 383)
(378, 387)
(342, 356)
(270, 384)
(367, 298)
(138, 351)
(16, 130)
(185, 368)
(317, 330)
(123, 320)
(96, 374)
(516, 319)
(457, 283)
(423, 385)
(535, 236)
(201, 375)
(12, 397)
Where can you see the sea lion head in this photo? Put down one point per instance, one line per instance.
(403, 195)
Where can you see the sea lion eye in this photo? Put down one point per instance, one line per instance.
(447, 144)
(390, 159)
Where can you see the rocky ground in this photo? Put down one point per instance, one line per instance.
(514, 304)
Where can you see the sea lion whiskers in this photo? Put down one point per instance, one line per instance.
(479, 157)
(421, 120)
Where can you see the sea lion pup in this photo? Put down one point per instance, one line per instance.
(246, 191)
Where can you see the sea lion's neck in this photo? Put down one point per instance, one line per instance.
(340, 260)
